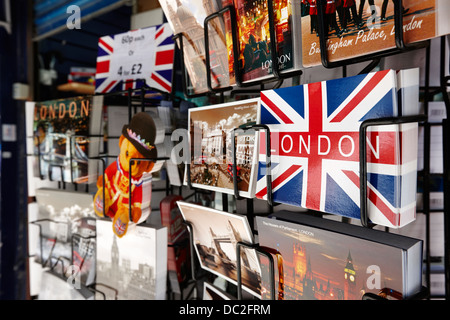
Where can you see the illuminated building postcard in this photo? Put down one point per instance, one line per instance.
(255, 57)
(319, 259)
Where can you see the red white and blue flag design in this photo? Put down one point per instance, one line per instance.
(315, 147)
(160, 77)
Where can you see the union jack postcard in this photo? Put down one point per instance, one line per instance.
(136, 58)
(315, 148)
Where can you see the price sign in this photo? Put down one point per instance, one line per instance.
(134, 54)
(139, 54)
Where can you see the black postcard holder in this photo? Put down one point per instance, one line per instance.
(184, 77)
(50, 166)
(196, 273)
(249, 208)
(363, 156)
(94, 288)
(37, 223)
(48, 262)
(220, 13)
(239, 244)
(273, 48)
(61, 259)
(76, 235)
(385, 293)
(260, 251)
(50, 257)
(268, 160)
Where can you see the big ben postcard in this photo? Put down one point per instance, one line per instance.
(321, 259)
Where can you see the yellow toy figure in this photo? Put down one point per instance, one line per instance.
(137, 141)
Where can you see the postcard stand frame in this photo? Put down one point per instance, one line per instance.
(250, 212)
(401, 47)
(375, 58)
(444, 84)
(36, 222)
(260, 251)
(194, 272)
(48, 262)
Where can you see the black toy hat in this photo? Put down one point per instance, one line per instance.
(141, 132)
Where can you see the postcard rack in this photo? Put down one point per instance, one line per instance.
(47, 263)
(127, 98)
(278, 77)
(374, 59)
(130, 94)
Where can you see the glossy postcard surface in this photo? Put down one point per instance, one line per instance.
(216, 234)
(316, 264)
(360, 27)
(210, 130)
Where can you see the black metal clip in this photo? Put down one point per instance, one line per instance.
(260, 251)
(384, 293)
(184, 77)
(268, 161)
(363, 156)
